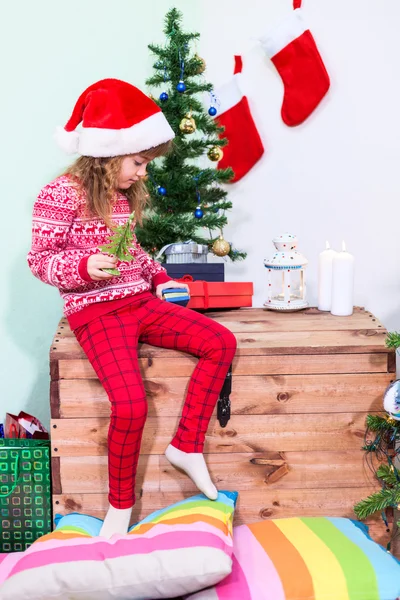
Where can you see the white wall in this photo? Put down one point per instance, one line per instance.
(334, 177)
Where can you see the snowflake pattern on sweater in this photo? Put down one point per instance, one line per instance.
(64, 235)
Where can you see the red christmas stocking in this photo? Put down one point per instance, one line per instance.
(292, 49)
(244, 146)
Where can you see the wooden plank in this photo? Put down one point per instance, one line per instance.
(261, 343)
(55, 399)
(252, 320)
(252, 505)
(244, 433)
(257, 319)
(285, 394)
(56, 475)
(391, 367)
(241, 471)
(182, 366)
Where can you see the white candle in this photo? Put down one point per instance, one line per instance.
(325, 278)
(342, 283)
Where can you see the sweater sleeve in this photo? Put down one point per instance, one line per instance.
(152, 271)
(49, 259)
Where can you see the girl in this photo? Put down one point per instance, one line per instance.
(122, 131)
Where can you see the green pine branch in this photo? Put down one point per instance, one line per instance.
(389, 475)
(393, 339)
(120, 243)
(377, 502)
(380, 424)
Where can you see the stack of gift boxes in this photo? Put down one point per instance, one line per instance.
(208, 288)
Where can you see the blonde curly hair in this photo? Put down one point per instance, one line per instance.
(98, 178)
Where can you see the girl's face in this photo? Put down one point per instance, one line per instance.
(133, 167)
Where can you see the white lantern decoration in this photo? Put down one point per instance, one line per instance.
(286, 276)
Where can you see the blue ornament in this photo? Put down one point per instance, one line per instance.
(181, 87)
(163, 96)
(198, 213)
(161, 190)
(212, 111)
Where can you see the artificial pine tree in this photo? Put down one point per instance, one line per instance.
(187, 201)
(382, 447)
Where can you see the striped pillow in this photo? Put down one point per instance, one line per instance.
(174, 551)
(307, 559)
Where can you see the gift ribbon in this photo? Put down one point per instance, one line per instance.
(13, 429)
(206, 291)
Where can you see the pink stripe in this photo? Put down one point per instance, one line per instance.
(57, 543)
(7, 564)
(151, 533)
(254, 560)
(205, 527)
(122, 547)
(235, 585)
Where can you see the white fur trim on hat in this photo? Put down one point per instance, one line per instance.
(67, 140)
(97, 142)
(290, 29)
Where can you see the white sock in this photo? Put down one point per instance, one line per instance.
(194, 465)
(116, 521)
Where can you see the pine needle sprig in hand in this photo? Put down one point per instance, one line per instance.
(120, 243)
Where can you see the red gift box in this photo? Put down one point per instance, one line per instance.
(226, 294)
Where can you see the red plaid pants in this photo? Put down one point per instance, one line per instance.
(110, 343)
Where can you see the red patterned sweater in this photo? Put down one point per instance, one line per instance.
(64, 235)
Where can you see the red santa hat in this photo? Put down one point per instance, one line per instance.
(117, 119)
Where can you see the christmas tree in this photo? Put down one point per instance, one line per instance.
(187, 202)
(381, 447)
(382, 450)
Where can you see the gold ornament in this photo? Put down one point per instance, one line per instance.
(203, 65)
(188, 124)
(391, 421)
(215, 153)
(221, 247)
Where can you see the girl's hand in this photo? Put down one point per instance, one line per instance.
(97, 262)
(171, 284)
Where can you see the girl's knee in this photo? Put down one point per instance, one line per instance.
(223, 342)
(229, 340)
(130, 413)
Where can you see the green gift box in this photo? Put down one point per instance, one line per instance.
(25, 492)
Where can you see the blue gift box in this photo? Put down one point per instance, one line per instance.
(199, 271)
(176, 296)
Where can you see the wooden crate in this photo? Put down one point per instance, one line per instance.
(302, 386)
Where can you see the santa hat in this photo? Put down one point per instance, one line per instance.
(117, 119)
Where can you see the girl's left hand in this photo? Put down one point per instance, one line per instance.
(171, 284)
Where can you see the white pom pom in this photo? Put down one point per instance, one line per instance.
(67, 140)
